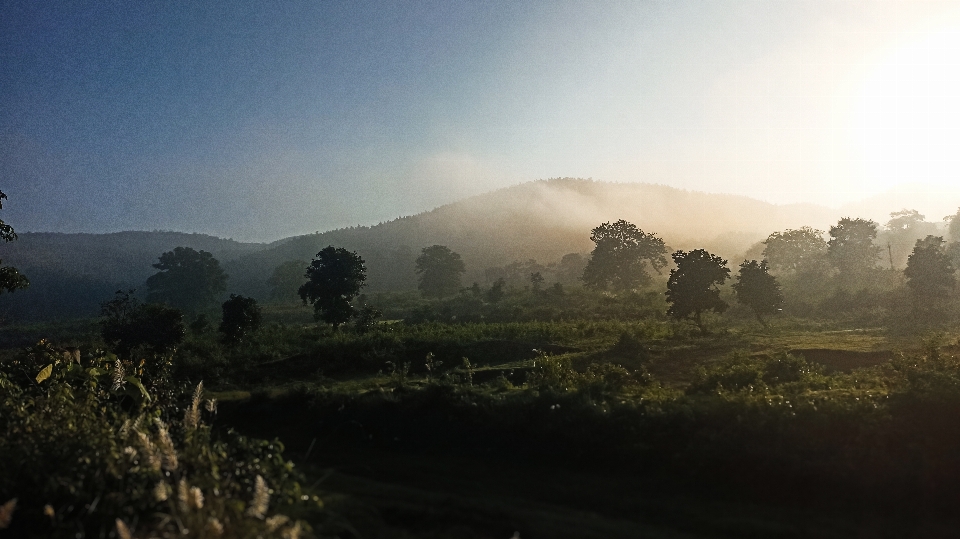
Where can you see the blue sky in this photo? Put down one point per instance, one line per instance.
(259, 120)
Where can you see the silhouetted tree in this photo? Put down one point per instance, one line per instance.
(242, 318)
(620, 257)
(286, 279)
(495, 294)
(929, 273)
(335, 278)
(188, 279)
(10, 279)
(852, 251)
(757, 289)
(795, 251)
(128, 325)
(439, 271)
(693, 285)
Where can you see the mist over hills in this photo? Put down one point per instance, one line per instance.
(542, 220)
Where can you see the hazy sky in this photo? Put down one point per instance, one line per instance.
(259, 120)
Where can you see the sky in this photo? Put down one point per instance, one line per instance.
(258, 120)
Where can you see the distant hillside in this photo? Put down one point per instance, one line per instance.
(70, 274)
(543, 220)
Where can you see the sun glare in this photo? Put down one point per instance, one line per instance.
(907, 115)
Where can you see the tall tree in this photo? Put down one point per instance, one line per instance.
(439, 271)
(795, 251)
(620, 256)
(693, 286)
(11, 280)
(757, 289)
(852, 250)
(335, 277)
(929, 273)
(188, 279)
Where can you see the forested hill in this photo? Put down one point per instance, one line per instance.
(541, 220)
(71, 274)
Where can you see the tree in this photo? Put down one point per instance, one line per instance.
(242, 317)
(335, 277)
(757, 289)
(570, 269)
(852, 251)
(929, 272)
(953, 234)
(128, 325)
(496, 293)
(286, 279)
(693, 285)
(620, 257)
(903, 229)
(536, 281)
(10, 279)
(188, 279)
(953, 226)
(795, 251)
(439, 269)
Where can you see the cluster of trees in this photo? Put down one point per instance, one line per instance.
(625, 258)
(853, 259)
(188, 282)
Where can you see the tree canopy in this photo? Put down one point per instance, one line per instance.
(852, 250)
(757, 289)
(188, 279)
(693, 285)
(439, 271)
(929, 272)
(620, 257)
(335, 277)
(795, 251)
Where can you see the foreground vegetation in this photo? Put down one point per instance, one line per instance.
(654, 421)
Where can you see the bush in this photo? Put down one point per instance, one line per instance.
(742, 372)
(81, 461)
(241, 319)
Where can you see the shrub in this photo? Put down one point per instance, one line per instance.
(80, 463)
